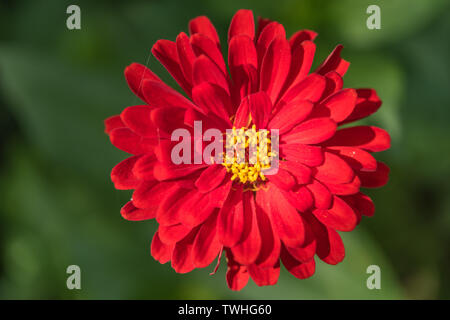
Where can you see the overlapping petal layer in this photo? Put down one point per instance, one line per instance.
(293, 216)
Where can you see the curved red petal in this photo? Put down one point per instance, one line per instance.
(242, 23)
(206, 245)
(128, 141)
(364, 137)
(375, 179)
(334, 170)
(161, 252)
(112, 123)
(237, 274)
(309, 155)
(137, 118)
(186, 55)
(247, 250)
(210, 178)
(204, 26)
(340, 216)
(132, 213)
(135, 74)
(334, 62)
(275, 68)
(311, 131)
(166, 52)
(290, 115)
(264, 276)
(122, 174)
(298, 269)
(367, 103)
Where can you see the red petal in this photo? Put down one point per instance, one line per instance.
(311, 88)
(167, 120)
(272, 31)
(340, 216)
(135, 74)
(302, 59)
(210, 178)
(264, 276)
(282, 179)
(334, 170)
(126, 140)
(202, 45)
(337, 106)
(206, 71)
(172, 234)
(357, 158)
(248, 249)
(300, 270)
(150, 194)
(301, 173)
(242, 24)
(334, 62)
(260, 108)
(311, 131)
(210, 121)
(182, 257)
(132, 213)
(122, 174)
(164, 171)
(243, 62)
(206, 245)
(287, 221)
(300, 198)
(306, 252)
(321, 195)
(143, 168)
(290, 115)
(141, 196)
(137, 118)
(365, 137)
(309, 155)
(112, 123)
(270, 242)
(186, 55)
(219, 195)
(361, 203)
(159, 95)
(344, 188)
(376, 178)
(367, 103)
(237, 275)
(262, 23)
(160, 251)
(170, 209)
(330, 247)
(302, 35)
(230, 225)
(204, 26)
(334, 83)
(275, 68)
(213, 98)
(196, 209)
(242, 118)
(166, 52)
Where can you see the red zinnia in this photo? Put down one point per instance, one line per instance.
(201, 211)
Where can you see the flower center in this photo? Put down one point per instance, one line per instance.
(248, 155)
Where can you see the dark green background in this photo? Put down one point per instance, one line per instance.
(58, 206)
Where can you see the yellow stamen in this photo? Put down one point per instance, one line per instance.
(249, 174)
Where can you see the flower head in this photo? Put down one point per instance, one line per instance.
(257, 217)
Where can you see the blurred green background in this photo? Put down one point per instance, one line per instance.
(58, 206)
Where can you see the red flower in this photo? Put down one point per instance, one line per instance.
(203, 209)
